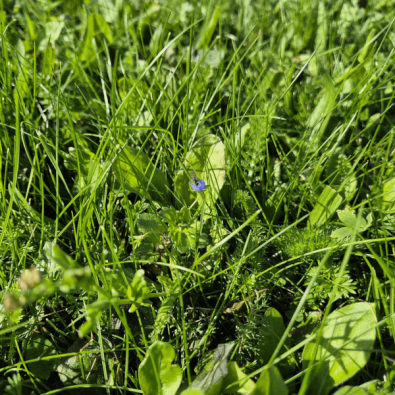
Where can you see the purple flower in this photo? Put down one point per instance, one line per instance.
(198, 185)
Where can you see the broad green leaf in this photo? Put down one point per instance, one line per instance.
(321, 37)
(192, 391)
(348, 390)
(53, 29)
(23, 85)
(310, 27)
(52, 32)
(96, 28)
(157, 376)
(373, 120)
(111, 10)
(184, 216)
(341, 233)
(181, 239)
(49, 61)
(104, 27)
(344, 349)
(207, 160)
(273, 326)
(183, 229)
(215, 389)
(176, 218)
(40, 347)
(215, 370)
(388, 199)
(31, 28)
(208, 29)
(322, 113)
(235, 374)
(169, 215)
(140, 176)
(371, 387)
(241, 135)
(151, 223)
(368, 46)
(270, 383)
(351, 220)
(186, 238)
(348, 218)
(274, 329)
(327, 204)
(137, 290)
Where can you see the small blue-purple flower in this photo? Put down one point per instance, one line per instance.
(196, 184)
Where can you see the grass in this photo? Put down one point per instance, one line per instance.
(103, 107)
